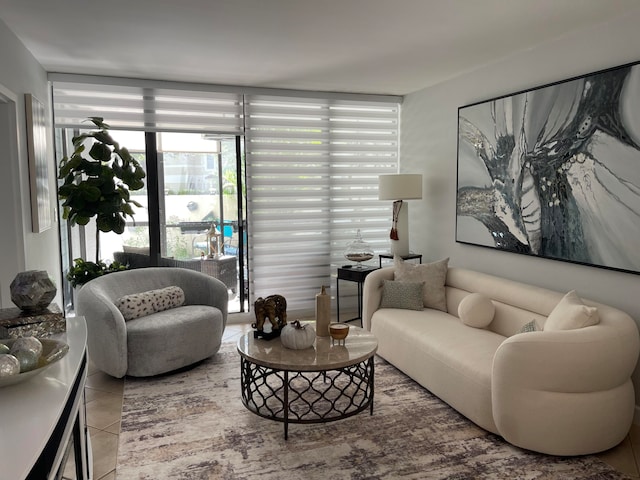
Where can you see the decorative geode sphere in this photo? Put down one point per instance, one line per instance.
(32, 291)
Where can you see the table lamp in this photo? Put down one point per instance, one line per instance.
(400, 187)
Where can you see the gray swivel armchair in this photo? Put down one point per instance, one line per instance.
(156, 343)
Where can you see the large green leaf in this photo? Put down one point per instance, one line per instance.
(126, 209)
(89, 192)
(107, 187)
(125, 155)
(78, 141)
(120, 224)
(111, 223)
(65, 190)
(104, 224)
(90, 168)
(117, 170)
(104, 137)
(67, 165)
(65, 212)
(100, 151)
(133, 179)
(64, 169)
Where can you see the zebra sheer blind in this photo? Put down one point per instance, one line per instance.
(147, 106)
(312, 179)
(312, 165)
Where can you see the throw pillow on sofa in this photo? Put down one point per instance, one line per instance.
(476, 310)
(405, 295)
(531, 326)
(434, 276)
(140, 304)
(571, 313)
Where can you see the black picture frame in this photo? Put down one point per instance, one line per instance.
(554, 171)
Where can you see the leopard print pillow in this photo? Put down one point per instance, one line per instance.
(140, 304)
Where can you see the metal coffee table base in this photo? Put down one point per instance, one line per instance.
(307, 397)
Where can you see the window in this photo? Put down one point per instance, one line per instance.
(177, 134)
(312, 179)
(312, 167)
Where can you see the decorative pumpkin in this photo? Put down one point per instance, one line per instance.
(297, 336)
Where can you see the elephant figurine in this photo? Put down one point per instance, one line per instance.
(270, 308)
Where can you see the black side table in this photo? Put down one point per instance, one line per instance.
(411, 256)
(352, 274)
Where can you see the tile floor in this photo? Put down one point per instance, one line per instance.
(104, 408)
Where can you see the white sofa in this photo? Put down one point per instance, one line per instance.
(564, 392)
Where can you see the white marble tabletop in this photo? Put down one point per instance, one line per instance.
(323, 355)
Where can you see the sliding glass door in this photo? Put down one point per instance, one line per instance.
(191, 213)
(201, 207)
(136, 234)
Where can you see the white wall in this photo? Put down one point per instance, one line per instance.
(23, 250)
(429, 142)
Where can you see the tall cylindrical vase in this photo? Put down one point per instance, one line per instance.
(323, 313)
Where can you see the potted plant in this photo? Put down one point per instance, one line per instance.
(83, 271)
(98, 185)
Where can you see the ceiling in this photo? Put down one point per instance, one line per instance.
(364, 46)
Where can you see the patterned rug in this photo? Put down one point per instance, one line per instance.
(192, 425)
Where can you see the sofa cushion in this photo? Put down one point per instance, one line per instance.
(571, 313)
(407, 295)
(140, 304)
(170, 339)
(433, 275)
(442, 354)
(476, 310)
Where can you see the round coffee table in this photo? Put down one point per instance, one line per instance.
(321, 383)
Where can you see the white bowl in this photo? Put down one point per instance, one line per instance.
(52, 351)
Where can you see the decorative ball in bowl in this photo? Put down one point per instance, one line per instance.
(338, 331)
(26, 357)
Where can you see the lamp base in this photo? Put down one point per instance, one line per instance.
(398, 249)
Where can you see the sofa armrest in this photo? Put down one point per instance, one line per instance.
(566, 392)
(572, 361)
(106, 331)
(201, 289)
(372, 293)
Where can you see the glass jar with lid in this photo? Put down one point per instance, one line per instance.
(358, 250)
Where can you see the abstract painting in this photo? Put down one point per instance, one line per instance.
(554, 171)
(41, 216)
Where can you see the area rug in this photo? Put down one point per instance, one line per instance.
(192, 425)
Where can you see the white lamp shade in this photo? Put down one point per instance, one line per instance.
(401, 186)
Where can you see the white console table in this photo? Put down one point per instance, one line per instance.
(44, 417)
